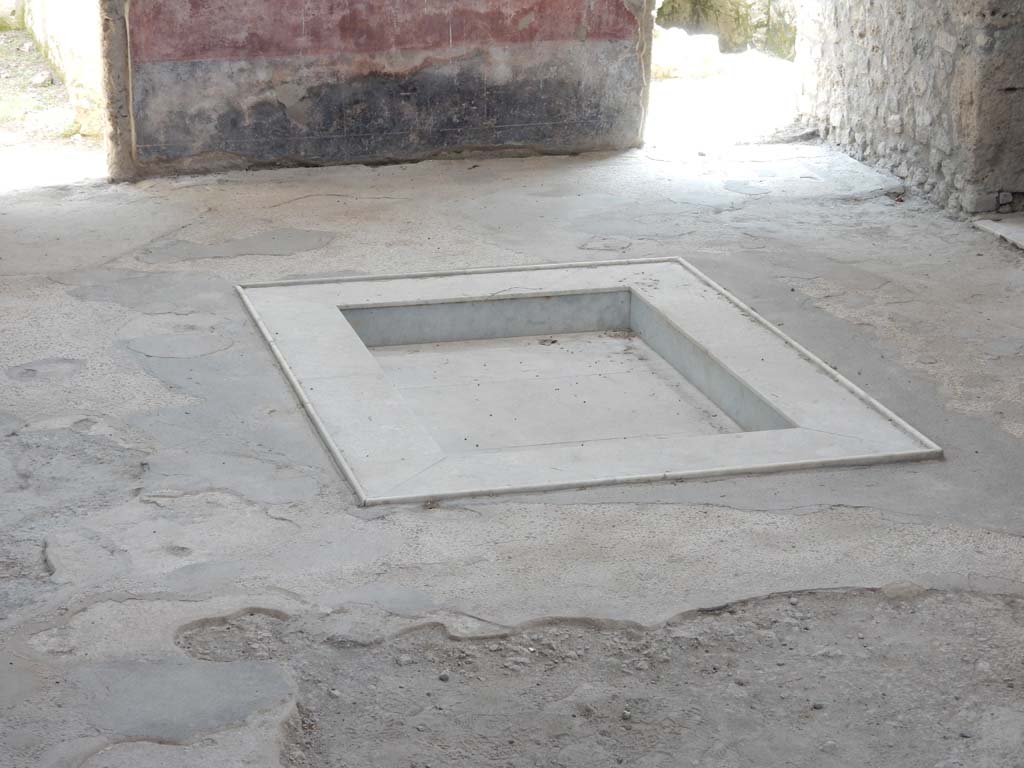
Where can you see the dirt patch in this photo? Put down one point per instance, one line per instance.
(838, 678)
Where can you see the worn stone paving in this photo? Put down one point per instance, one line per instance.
(156, 471)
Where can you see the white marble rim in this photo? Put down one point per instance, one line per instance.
(924, 449)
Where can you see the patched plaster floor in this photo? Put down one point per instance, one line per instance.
(157, 472)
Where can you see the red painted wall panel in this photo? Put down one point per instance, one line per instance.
(211, 30)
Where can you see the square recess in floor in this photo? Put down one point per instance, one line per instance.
(488, 381)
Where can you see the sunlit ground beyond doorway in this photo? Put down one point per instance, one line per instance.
(42, 141)
(704, 101)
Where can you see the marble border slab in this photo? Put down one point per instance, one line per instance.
(799, 413)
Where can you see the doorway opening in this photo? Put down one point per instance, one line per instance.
(50, 125)
(723, 74)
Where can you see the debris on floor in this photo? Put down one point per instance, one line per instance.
(41, 79)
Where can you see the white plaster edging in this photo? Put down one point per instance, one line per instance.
(866, 460)
(471, 271)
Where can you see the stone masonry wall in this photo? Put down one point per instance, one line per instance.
(238, 83)
(998, 157)
(932, 90)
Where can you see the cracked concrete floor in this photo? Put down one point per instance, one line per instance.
(160, 484)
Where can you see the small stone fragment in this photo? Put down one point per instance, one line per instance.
(41, 80)
(444, 677)
(335, 693)
(627, 715)
(829, 653)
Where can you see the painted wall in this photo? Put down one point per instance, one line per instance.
(932, 90)
(69, 32)
(223, 83)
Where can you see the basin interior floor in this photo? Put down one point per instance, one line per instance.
(543, 390)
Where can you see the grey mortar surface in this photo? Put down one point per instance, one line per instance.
(157, 472)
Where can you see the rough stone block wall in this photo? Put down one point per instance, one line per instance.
(933, 90)
(226, 83)
(69, 32)
(998, 157)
